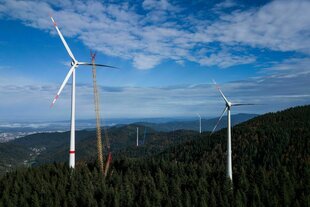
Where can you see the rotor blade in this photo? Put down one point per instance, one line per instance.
(100, 65)
(243, 104)
(218, 120)
(214, 82)
(218, 88)
(63, 41)
(225, 99)
(63, 84)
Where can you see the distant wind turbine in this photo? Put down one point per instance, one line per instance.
(228, 108)
(199, 122)
(137, 136)
(74, 64)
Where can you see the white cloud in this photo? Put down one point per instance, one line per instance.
(30, 12)
(32, 99)
(164, 31)
(288, 69)
(293, 65)
(158, 5)
(224, 5)
(284, 88)
(225, 60)
(146, 61)
(279, 25)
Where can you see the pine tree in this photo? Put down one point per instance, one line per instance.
(239, 200)
(35, 200)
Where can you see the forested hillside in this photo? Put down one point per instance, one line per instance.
(271, 167)
(46, 148)
(43, 148)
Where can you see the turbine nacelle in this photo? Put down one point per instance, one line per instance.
(228, 104)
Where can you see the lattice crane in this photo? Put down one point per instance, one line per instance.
(103, 169)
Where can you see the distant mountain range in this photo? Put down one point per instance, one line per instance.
(158, 123)
(10, 127)
(206, 124)
(48, 147)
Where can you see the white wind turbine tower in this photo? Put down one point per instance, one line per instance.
(228, 108)
(199, 122)
(74, 64)
(137, 136)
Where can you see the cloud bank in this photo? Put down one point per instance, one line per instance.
(274, 92)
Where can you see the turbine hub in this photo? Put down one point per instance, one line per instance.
(228, 104)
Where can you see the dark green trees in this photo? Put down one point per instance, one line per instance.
(271, 168)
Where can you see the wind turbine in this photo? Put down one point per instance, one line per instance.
(74, 64)
(137, 136)
(199, 122)
(228, 106)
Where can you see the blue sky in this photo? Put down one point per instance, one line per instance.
(168, 51)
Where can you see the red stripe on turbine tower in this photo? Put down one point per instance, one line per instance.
(110, 157)
(71, 151)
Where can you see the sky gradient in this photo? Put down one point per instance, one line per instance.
(168, 52)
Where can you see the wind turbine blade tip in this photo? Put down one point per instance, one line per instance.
(53, 21)
(215, 84)
(54, 101)
(63, 41)
(52, 104)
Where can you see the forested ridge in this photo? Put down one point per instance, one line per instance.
(271, 167)
(54, 146)
(43, 148)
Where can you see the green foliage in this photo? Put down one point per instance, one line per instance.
(270, 168)
(54, 146)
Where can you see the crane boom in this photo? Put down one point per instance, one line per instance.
(109, 159)
(103, 170)
(97, 110)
